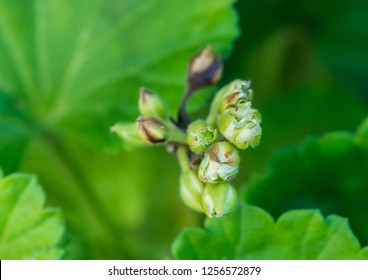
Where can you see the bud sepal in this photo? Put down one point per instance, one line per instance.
(220, 163)
(229, 94)
(205, 69)
(219, 199)
(200, 136)
(129, 133)
(152, 130)
(191, 189)
(151, 104)
(241, 125)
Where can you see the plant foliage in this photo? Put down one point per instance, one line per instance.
(27, 229)
(252, 233)
(71, 69)
(328, 173)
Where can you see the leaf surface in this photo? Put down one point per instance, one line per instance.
(251, 233)
(27, 229)
(76, 66)
(14, 133)
(328, 173)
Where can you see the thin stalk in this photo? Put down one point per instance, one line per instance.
(182, 155)
(183, 117)
(176, 135)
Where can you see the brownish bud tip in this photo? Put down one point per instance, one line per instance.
(151, 129)
(205, 69)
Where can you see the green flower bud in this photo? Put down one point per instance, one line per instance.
(241, 125)
(151, 104)
(152, 130)
(220, 163)
(239, 91)
(232, 93)
(205, 69)
(191, 189)
(219, 199)
(129, 133)
(200, 136)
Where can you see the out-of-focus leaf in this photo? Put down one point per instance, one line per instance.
(27, 230)
(328, 173)
(362, 134)
(14, 134)
(77, 65)
(251, 233)
(125, 200)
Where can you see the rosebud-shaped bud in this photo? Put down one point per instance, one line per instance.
(205, 69)
(152, 130)
(220, 163)
(200, 136)
(191, 189)
(233, 93)
(240, 92)
(219, 199)
(241, 125)
(129, 133)
(151, 104)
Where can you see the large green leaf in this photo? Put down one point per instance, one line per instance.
(126, 200)
(27, 230)
(329, 173)
(77, 65)
(251, 233)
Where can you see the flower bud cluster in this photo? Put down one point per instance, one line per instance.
(207, 150)
(231, 125)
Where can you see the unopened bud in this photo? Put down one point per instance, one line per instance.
(228, 95)
(241, 125)
(191, 189)
(219, 199)
(205, 69)
(129, 133)
(151, 104)
(220, 163)
(151, 129)
(200, 136)
(238, 91)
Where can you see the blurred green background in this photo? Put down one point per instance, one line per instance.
(70, 69)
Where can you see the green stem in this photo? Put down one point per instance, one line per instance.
(176, 135)
(182, 154)
(183, 117)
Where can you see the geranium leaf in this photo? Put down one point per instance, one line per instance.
(27, 229)
(251, 233)
(77, 65)
(14, 134)
(328, 173)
